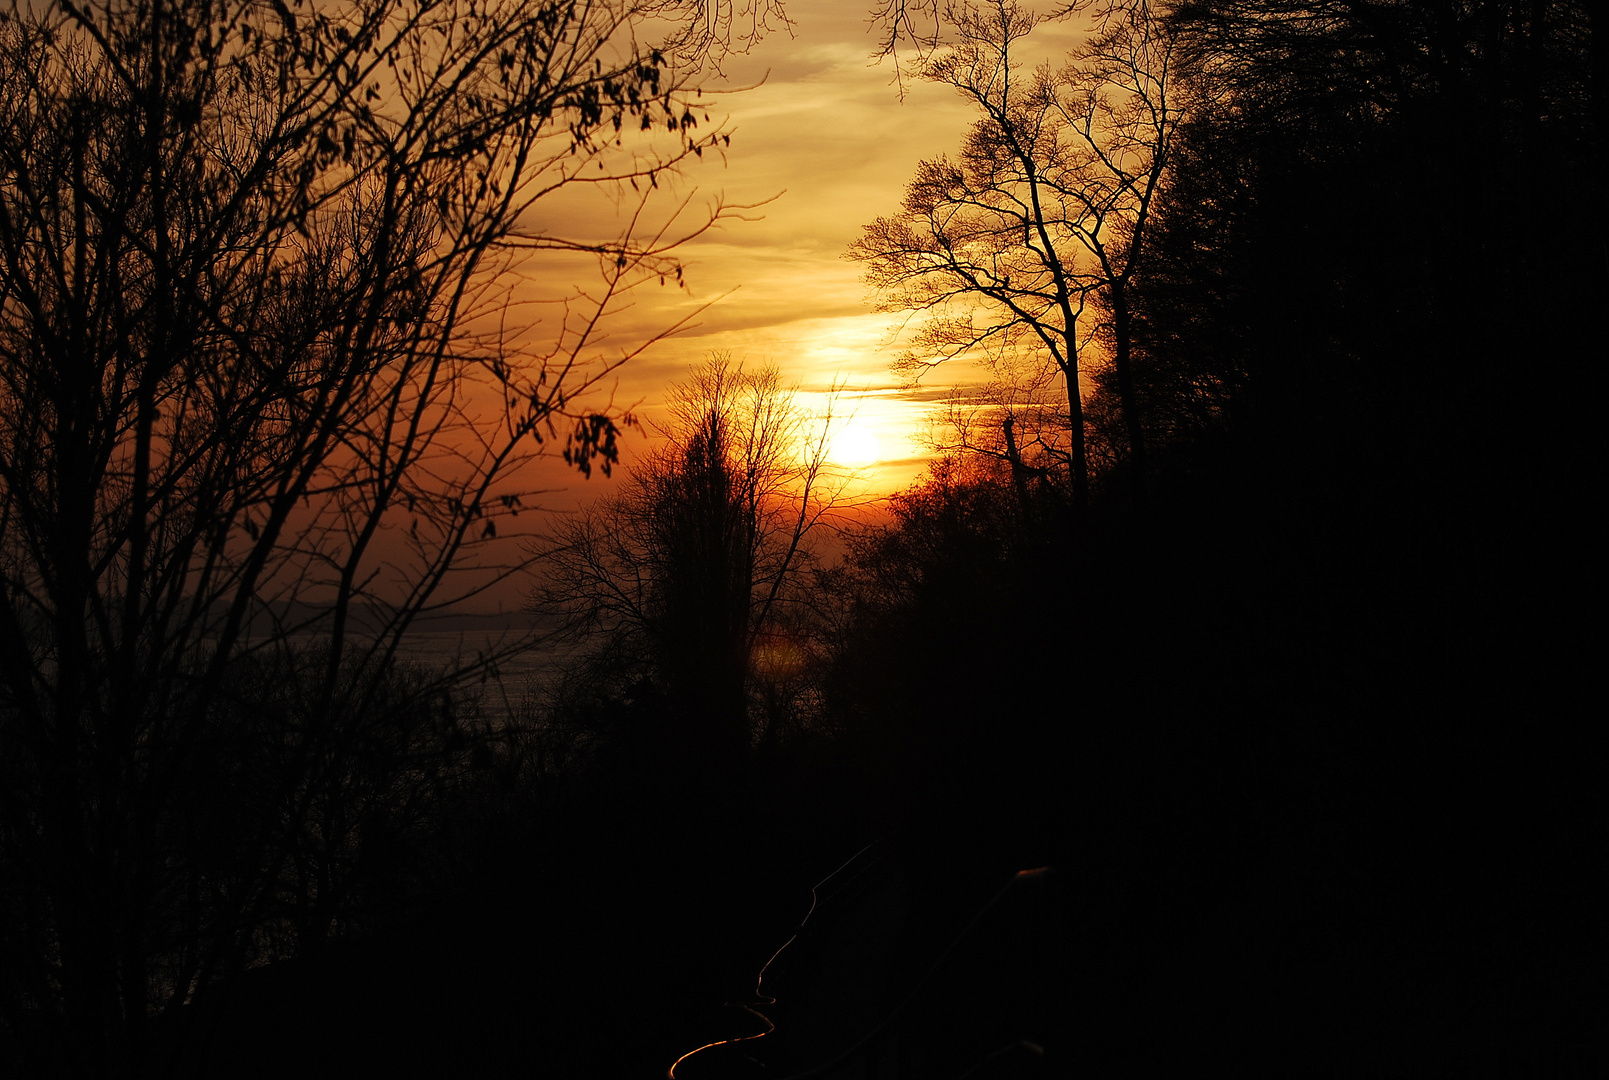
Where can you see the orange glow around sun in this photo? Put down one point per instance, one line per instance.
(876, 438)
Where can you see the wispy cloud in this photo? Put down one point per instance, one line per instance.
(826, 138)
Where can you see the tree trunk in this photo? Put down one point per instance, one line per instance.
(1075, 421)
(1019, 477)
(1122, 333)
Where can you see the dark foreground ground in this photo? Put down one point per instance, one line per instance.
(1322, 798)
(1296, 948)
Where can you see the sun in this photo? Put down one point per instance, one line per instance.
(855, 446)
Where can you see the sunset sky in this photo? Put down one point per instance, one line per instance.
(828, 139)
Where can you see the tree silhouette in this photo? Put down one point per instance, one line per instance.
(1018, 418)
(684, 573)
(1419, 118)
(255, 380)
(1043, 210)
(993, 230)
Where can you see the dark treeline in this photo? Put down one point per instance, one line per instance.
(1274, 652)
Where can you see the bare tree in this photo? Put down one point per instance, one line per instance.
(683, 574)
(1003, 248)
(259, 376)
(992, 232)
(1017, 418)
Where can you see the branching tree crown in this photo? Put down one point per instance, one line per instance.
(1002, 249)
(257, 376)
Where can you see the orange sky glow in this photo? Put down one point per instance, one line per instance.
(822, 133)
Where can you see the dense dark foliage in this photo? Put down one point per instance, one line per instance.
(1314, 696)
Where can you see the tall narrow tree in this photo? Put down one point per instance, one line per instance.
(680, 576)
